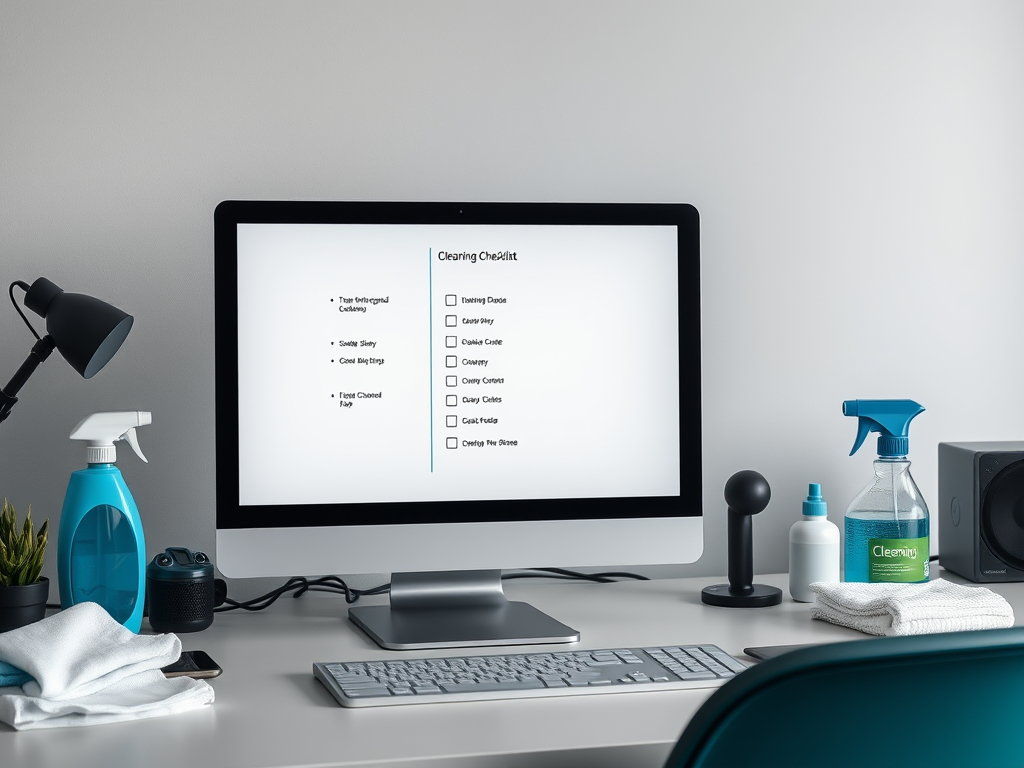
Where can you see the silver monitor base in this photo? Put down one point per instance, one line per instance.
(455, 609)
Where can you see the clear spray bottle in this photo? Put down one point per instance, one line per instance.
(886, 536)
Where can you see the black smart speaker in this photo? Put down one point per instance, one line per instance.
(981, 510)
(181, 592)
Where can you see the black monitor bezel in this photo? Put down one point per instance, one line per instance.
(230, 213)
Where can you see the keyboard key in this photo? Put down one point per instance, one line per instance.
(728, 661)
(709, 675)
(508, 685)
(359, 693)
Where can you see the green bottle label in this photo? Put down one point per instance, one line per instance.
(901, 560)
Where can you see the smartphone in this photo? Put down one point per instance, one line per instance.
(771, 651)
(193, 664)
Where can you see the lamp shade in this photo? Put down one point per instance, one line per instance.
(86, 331)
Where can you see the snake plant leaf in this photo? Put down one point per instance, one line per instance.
(21, 553)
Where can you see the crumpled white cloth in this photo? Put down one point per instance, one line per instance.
(87, 669)
(910, 609)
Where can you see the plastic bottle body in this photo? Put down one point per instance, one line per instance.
(101, 550)
(887, 528)
(813, 555)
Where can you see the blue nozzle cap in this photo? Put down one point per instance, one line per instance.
(890, 418)
(814, 504)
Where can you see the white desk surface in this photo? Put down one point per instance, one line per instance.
(270, 711)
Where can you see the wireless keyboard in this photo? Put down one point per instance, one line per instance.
(526, 675)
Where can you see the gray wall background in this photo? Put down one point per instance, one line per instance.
(858, 167)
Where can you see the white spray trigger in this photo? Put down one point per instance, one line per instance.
(133, 441)
(102, 430)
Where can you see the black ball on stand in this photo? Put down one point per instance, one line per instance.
(747, 493)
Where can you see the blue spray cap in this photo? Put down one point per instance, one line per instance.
(891, 418)
(814, 504)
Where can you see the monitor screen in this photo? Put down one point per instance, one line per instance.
(488, 373)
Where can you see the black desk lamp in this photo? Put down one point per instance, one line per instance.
(86, 331)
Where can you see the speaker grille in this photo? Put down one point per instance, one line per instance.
(1002, 515)
(177, 602)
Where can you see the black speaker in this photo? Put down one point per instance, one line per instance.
(181, 591)
(981, 510)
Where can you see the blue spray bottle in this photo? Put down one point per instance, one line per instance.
(101, 552)
(887, 524)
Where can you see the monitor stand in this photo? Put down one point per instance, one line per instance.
(455, 609)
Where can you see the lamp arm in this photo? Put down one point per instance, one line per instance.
(8, 395)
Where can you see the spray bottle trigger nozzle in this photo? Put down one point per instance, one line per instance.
(133, 441)
(864, 427)
(890, 418)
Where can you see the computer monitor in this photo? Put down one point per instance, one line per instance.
(441, 391)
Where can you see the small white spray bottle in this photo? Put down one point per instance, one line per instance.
(813, 548)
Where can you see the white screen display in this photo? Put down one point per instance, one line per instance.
(395, 363)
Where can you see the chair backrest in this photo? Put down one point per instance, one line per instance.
(954, 699)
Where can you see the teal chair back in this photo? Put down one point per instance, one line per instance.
(953, 699)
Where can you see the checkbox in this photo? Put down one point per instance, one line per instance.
(449, 321)
(450, 341)
(452, 442)
(449, 300)
(451, 421)
(451, 400)
(451, 361)
(451, 381)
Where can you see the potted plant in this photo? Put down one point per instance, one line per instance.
(23, 592)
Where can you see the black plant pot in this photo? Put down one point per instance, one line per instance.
(23, 605)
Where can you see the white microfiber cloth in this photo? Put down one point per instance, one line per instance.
(910, 609)
(87, 669)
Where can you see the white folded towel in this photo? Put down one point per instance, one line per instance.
(910, 609)
(87, 669)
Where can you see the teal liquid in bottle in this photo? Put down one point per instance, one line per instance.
(886, 537)
(102, 545)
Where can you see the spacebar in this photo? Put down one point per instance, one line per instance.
(515, 685)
